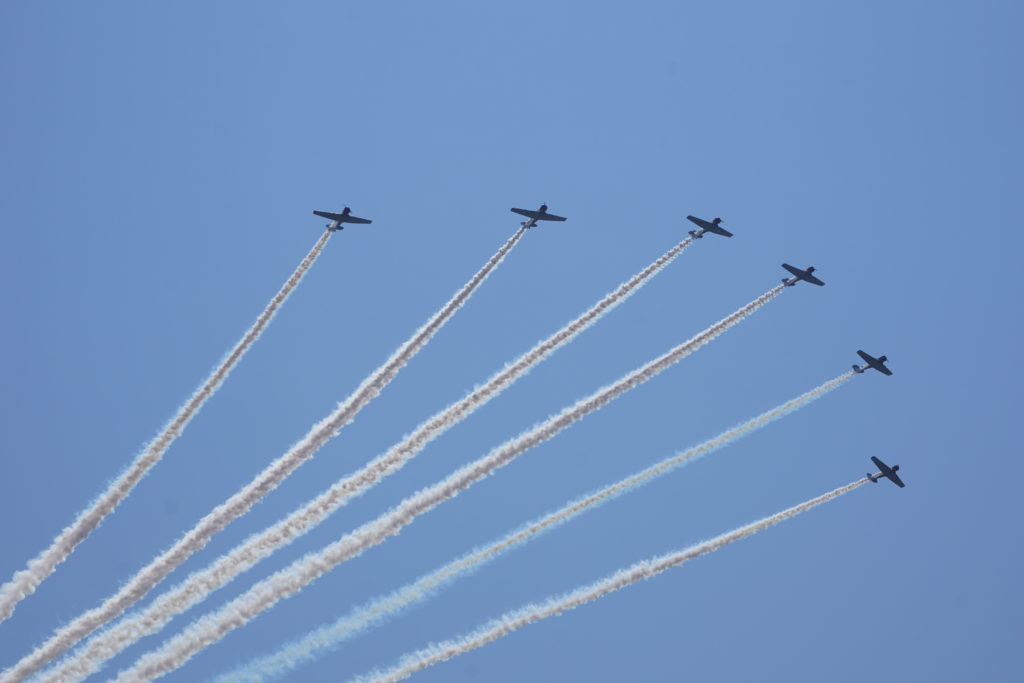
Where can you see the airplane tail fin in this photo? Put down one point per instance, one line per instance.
(693, 233)
(873, 478)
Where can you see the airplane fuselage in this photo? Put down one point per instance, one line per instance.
(533, 216)
(872, 363)
(885, 471)
(798, 274)
(336, 219)
(861, 369)
(532, 220)
(704, 227)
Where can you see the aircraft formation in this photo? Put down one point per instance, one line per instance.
(714, 227)
(104, 644)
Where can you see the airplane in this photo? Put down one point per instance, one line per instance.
(801, 275)
(885, 471)
(872, 362)
(338, 218)
(714, 226)
(540, 214)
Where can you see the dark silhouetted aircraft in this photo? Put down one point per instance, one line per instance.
(885, 471)
(338, 218)
(872, 362)
(540, 214)
(714, 226)
(798, 275)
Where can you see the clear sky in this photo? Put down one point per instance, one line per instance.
(159, 166)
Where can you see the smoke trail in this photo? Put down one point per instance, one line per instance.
(266, 481)
(327, 637)
(25, 581)
(197, 586)
(645, 569)
(292, 579)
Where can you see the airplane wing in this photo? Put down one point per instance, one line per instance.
(803, 275)
(813, 280)
(355, 219)
(874, 362)
(888, 472)
(708, 226)
(699, 222)
(537, 215)
(330, 216)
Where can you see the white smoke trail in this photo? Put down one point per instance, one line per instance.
(645, 569)
(292, 579)
(197, 586)
(322, 639)
(266, 481)
(24, 582)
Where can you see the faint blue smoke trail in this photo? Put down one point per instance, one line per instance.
(24, 582)
(198, 585)
(373, 613)
(286, 582)
(645, 569)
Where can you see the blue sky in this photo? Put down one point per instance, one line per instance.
(160, 165)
